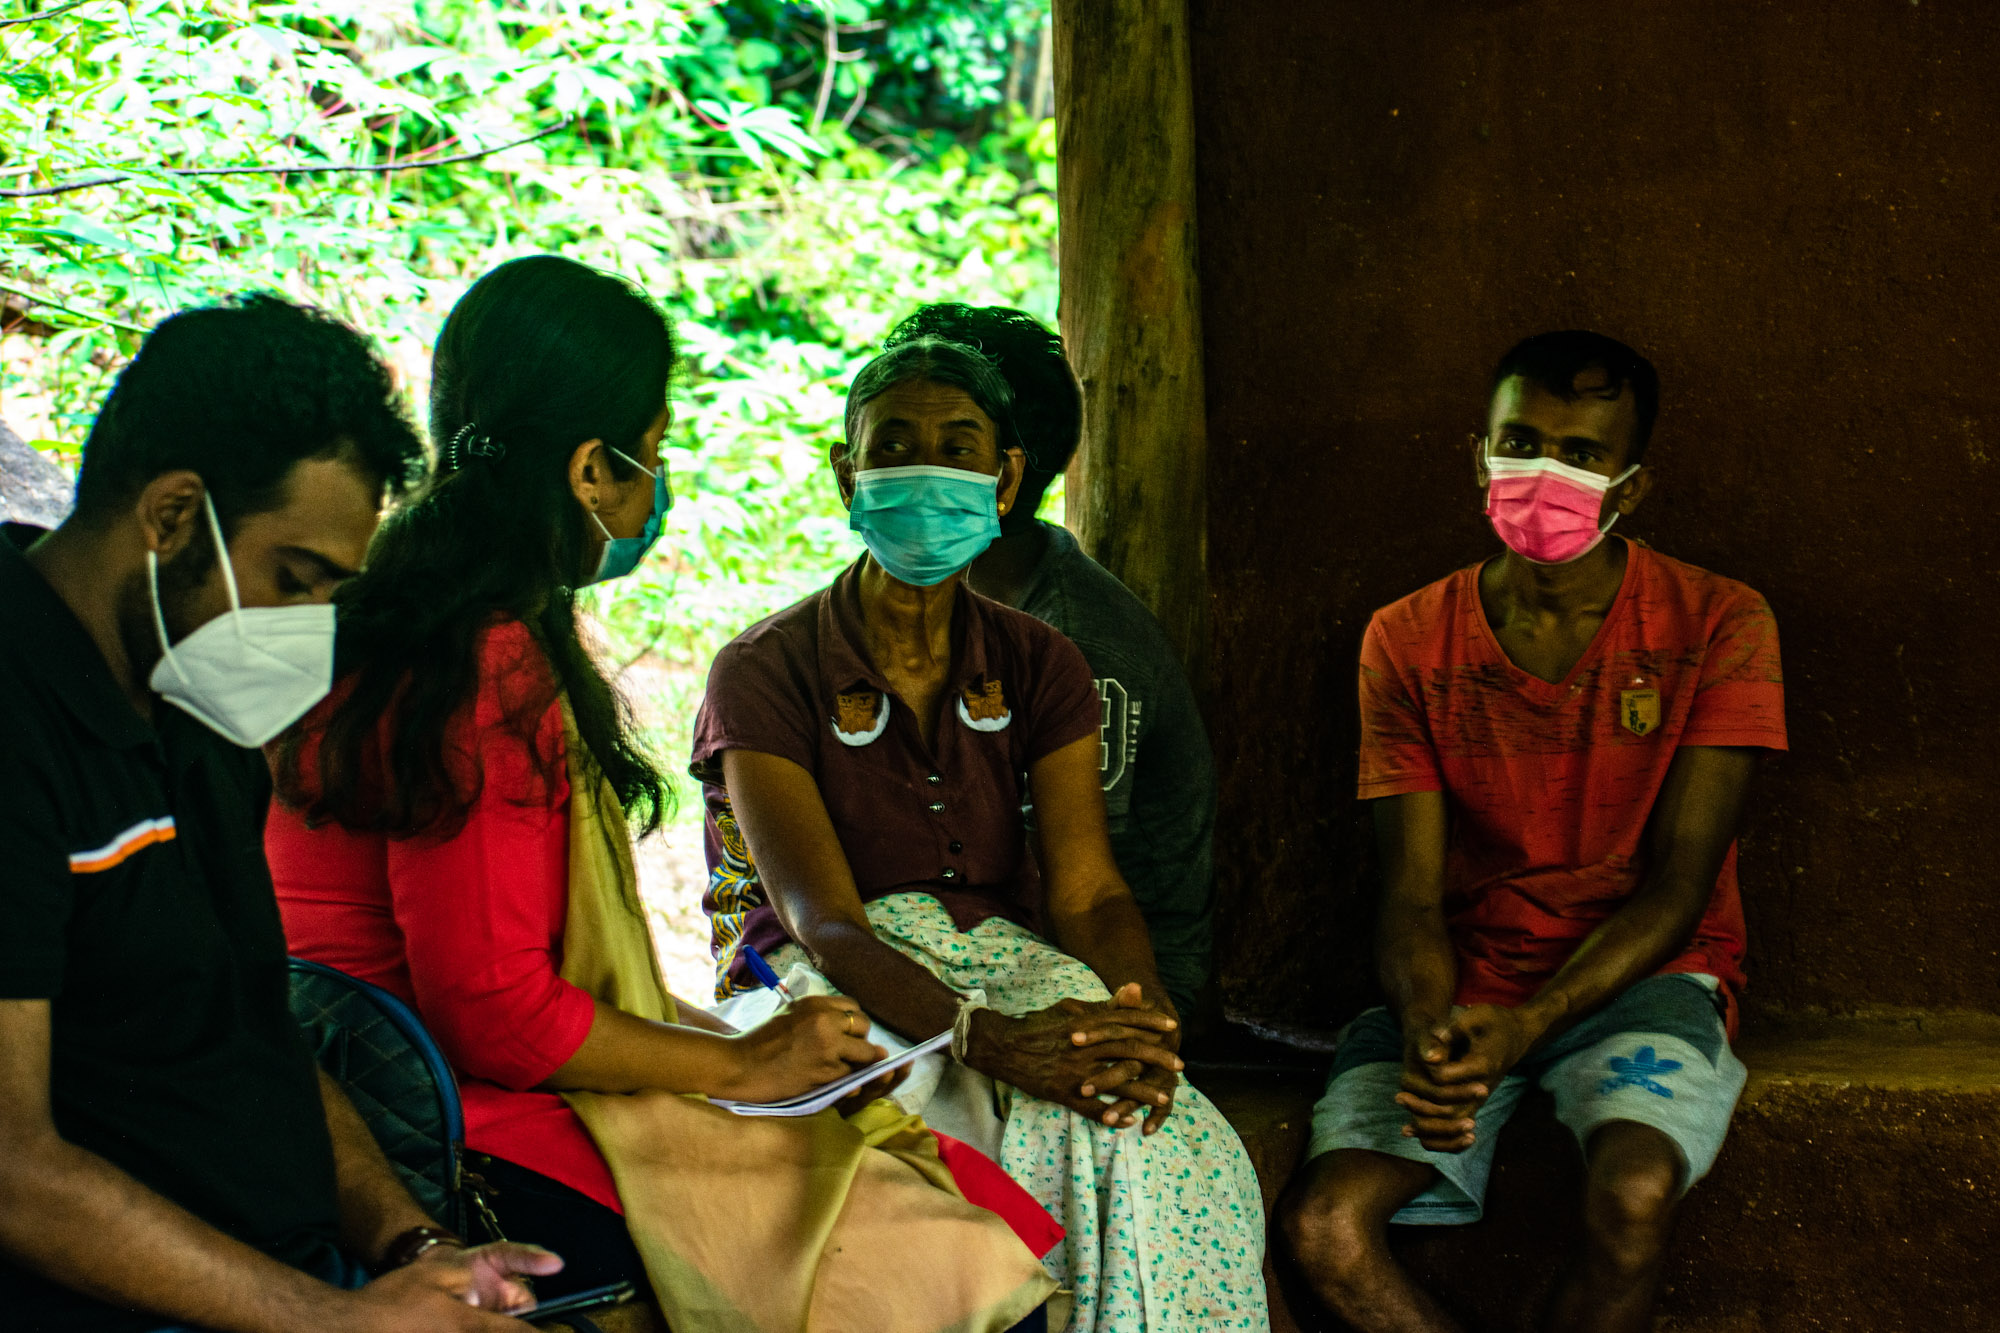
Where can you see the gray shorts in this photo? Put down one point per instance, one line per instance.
(1658, 1055)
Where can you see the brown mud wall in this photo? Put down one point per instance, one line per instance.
(1794, 209)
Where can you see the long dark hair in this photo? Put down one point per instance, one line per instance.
(539, 356)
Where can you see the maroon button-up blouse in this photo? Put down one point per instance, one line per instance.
(943, 820)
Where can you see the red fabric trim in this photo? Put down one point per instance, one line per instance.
(982, 1182)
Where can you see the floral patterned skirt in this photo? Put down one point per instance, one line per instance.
(1166, 1232)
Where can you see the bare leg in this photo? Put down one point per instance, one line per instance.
(1335, 1218)
(1630, 1195)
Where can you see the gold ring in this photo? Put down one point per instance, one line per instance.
(847, 1022)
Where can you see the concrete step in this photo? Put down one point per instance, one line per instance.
(1859, 1191)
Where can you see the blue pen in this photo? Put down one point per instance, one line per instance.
(764, 972)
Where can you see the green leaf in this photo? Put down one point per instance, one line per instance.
(81, 229)
(30, 83)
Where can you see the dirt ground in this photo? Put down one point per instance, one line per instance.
(672, 874)
(672, 868)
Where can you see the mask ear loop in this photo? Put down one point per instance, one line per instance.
(222, 555)
(228, 579)
(159, 620)
(654, 473)
(1618, 480)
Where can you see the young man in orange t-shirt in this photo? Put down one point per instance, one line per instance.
(1557, 743)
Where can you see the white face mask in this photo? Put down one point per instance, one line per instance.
(252, 673)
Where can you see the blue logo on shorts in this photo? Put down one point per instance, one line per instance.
(1638, 1072)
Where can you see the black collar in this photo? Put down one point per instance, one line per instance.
(49, 644)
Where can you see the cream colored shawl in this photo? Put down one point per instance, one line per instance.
(758, 1225)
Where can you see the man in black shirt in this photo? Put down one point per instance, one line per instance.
(169, 1154)
(1154, 758)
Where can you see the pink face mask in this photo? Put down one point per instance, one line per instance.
(1546, 510)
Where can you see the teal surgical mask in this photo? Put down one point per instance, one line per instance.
(924, 524)
(623, 554)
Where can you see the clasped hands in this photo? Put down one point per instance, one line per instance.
(1451, 1066)
(1076, 1052)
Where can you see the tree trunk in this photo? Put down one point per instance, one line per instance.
(1131, 309)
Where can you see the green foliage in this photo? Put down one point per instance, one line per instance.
(905, 63)
(786, 192)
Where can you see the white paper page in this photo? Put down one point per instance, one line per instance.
(828, 1093)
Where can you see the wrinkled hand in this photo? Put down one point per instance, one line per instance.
(1451, 1067)
(1137, 1082)
(1057, 1052)
(447, 1290)
(815, 1041)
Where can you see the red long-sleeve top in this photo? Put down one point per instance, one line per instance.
(467, 929)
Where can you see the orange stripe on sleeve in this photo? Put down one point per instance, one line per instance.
(135, 839)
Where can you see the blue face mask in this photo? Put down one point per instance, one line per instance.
(924, 524)
(623, 554)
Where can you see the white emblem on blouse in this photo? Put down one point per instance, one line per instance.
(994, 713)
(862, 737)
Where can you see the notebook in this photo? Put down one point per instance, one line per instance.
(826, 1094)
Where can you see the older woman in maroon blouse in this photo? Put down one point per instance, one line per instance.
(868, 756)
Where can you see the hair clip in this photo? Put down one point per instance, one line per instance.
(474, 441)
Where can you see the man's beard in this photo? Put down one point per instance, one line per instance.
(180, 578)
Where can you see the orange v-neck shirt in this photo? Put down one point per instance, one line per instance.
(1550, 785)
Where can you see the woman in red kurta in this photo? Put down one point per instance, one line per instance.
(467, 928)
(421, 839)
